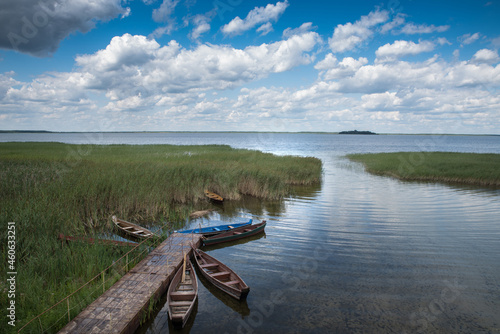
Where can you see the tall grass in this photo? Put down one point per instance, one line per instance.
(449, 167)
(52, 188)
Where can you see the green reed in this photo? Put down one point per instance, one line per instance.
(449, 167)
(53, 188)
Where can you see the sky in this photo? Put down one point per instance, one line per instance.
(395, 66)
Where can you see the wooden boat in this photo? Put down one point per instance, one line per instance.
(220, 275)
(213, 230)
(182, 294)
(235, 234)
(213, 196)
(133, 229)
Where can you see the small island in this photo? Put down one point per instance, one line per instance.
(356, 132)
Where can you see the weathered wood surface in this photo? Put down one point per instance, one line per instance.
(120, 308)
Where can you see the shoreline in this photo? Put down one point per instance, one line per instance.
(479, 169)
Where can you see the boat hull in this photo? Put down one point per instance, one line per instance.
(132, 229)
(235, 234)
(214, 230)
(182, 296)
(210, 267)
(214, 196)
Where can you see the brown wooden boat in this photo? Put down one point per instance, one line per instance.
(235, 234)
(133, 229)
(182, 294)
(213, 196)
(220, 275)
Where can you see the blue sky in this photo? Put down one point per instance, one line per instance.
(233, 65)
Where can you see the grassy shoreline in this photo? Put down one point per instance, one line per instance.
(52, 188)
(445, 167)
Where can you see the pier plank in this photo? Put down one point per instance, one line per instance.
(120, 308)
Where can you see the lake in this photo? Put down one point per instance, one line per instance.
(358, 253)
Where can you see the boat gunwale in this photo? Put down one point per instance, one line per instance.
(231, 235)
(238, 293)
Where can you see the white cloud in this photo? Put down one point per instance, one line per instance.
(443, 41)
(430, 74)
(412, 28)
(37, 27)
(132, 64)
(469, 38)
(199, 30)
(386, 101)
(486, 56)
(6, 82)
(164, 12)
(257, 16)
(391, 52)
(305, 27)
(396, 22)
(348, 36)
(265, 29)
(332, 69)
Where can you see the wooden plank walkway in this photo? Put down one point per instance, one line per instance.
(120, 308)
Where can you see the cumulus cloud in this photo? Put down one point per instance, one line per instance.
(486, 56)
(305, 27)
(201, 24)
(164, 12)
(469, 38)
(412, 29)
(348, 36)
(132, 64)
(391, 52)
(396, 22)
(257, 16)
(332, 69)
(6, 82)
(37, 27)
(265, 29)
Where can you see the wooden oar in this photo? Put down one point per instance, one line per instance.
(184, 269)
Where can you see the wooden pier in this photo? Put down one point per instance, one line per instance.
(120, 308)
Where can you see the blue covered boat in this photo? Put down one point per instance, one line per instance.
(214, 230)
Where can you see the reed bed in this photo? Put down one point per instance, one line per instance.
(52, 188)
(447, 167)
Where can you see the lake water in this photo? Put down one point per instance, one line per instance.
(358, 253)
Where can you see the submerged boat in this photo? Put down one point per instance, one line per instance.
(133, 229)
(213, 196)
(213, 230)
(235, 234)
(220, 275)
(182, 294)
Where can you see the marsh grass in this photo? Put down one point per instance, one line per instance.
(448, 167)
(52, 188)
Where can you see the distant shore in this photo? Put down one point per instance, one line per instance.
(446, 167)
(290, 132)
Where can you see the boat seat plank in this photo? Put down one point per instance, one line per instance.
(231, 282)
(182, 303)
(210, 265)
(183, 293)
(222, 273)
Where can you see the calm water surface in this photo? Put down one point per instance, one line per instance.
(358, 253)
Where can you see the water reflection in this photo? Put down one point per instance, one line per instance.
(239, 306)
